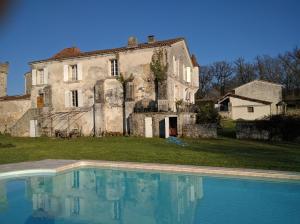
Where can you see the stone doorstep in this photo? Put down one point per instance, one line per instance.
(57, 166)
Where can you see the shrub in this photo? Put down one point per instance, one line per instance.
(206, 113)
(283, 127)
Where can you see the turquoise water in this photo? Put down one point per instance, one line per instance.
(94, 196)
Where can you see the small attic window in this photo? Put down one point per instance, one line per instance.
(250, 109)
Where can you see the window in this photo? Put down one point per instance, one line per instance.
(74, 98)
(114, 67)
(74, 72)
(174, 66)
(40, 75)
(250, 109)
(76, 206)
(75, 183)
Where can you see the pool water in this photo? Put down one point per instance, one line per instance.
(94, 196)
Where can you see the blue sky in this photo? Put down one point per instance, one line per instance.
(215, 30)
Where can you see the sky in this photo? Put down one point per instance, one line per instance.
(214, 30)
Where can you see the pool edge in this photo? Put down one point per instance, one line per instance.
(56, 166)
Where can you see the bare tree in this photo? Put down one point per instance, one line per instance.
(244, 71)
(268, 68)
(222, 72)
(205, 81)
(290, 62)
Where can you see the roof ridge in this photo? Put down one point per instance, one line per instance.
(144, 45)
(245, 98)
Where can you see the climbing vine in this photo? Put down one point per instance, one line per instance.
(159, 65)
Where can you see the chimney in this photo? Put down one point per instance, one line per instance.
(151, 39)
(3, 78)
(132, 42)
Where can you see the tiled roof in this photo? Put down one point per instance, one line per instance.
(75, 52)
(243, 98)
(17, 97)
(67, 52)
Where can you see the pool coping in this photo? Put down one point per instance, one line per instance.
(51, 167)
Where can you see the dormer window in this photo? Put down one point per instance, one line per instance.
(114, 67)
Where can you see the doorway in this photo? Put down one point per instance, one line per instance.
(173, 126)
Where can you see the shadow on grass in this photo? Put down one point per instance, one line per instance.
(8, 145)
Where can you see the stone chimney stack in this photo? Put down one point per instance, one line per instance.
(3, 78)
(132, 42)
(151, 39)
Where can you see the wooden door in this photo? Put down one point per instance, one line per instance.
(40, 101)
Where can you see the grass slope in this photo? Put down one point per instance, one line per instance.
(225, 151)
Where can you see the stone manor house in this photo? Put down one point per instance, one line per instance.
(81, 92)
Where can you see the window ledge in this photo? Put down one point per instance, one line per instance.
(73, 81)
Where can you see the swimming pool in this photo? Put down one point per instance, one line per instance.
(95, 195)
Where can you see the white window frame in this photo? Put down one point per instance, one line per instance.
(40, 76)
(74, 72)
(114, 68)
(74, 98)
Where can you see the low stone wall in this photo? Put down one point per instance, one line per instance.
(186, 125)
(200, 131)
(11, 111)
(249, 130)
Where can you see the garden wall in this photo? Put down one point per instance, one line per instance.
(200, 131)
(249, 130)
(277, 127)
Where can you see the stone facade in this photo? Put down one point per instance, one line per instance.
(253, 100)
(11, 110)
(99, 97)
(81, 91)
(200, 131)
(262, 90)
(182, 122)
(3, 78)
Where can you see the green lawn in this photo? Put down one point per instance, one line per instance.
(225, 151)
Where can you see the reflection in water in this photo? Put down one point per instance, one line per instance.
(109, 196)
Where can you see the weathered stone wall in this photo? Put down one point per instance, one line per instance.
(11, 111)
(200, 131)
(109, 93)
(249, 130)
(21, 127)
(262, 90)
(3, 78)
(28, 83)
(239, 109)
(178, 87)
(137, 122)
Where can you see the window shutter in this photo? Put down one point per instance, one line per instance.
(79, 71)
(80, 98)
(188, 74)
(46, 76)
(178, 67)
(183, 73)
(33, 76)
(66, 73)
(67, 98)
